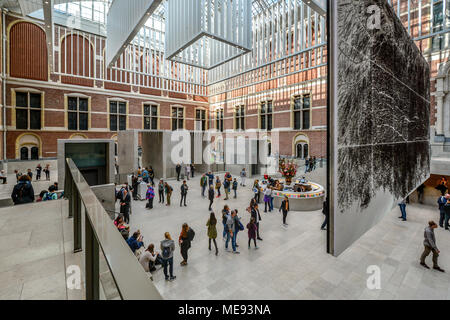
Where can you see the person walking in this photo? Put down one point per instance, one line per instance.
(430, 246)
(210, 178)
(168, 190)
(225, 215)
(218, 185)
(167, 248)
(149, 196)
(47, 172)
(178, 170)
(326, 213)
(23, 191)
(256, 190)
(442, 200)
(38, 172)
(187, 171)
(267, 196)
(203, 184)
(257, 217)
(186, 236)
(161, 191)
(192, 170)
(235, 185)
(210, 197)
(402, 205)
(184, 189)
(212, 231)
(243, 177)
(231, 234)
(252, 229)
(285, 209)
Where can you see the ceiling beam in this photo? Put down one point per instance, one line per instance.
(319, 6)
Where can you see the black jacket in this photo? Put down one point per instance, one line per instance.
(255, 214)
(184, 189)
(23, 193)
(211, 194)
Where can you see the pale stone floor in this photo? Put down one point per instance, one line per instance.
(290, 264)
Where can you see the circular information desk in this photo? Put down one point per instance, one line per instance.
(301, 201)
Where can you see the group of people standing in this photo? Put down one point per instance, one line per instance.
(310, 164)
(189, 170)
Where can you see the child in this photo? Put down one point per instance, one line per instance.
(252, 228)
(235, 185)
(149, 196)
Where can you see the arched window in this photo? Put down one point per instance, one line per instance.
(24, 153)
(299, 151)
(300, 146)
(34, 153)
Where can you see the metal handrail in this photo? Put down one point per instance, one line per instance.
(100, 233)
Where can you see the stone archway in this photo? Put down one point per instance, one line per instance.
(28, 147)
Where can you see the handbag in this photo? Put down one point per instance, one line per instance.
(241, 226)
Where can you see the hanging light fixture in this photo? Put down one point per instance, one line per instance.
(207, 33)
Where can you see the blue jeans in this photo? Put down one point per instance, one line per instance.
(168, 262)
(224, 230)
(235, 194)
(203, 190)
(271, 204)
(403, 210)
(233, 241)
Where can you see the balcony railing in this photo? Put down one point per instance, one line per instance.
(106, 252)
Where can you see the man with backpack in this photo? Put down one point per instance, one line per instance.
(51, 194)
(167, 249)
(23, 191)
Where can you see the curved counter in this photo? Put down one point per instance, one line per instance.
(301, 201)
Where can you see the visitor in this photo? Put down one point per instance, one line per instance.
(306, 164)
(192, 170)
(226, 187)
(243, 176)
(225, 215)
(203, 184)
(178, 170)
(168, 190)
(149, 259)
(235, 185)
(139, 172)
(145, 176)
(184, 190)
(285, 209)
(38, 172)
(135, 242)
(238, 226)
(257, 216)
(167, 249)
(125, 200)
(149, 196)
(231, 235)
(212, 231)
(447, 214)
(51, 194)
(41, 196)
(442, 200)
(326, 213)
(30, 174)
(3, 176)
(402, 205)
(210, 178)
(252, 229)
(122, 227)
(420, 192)
(135, 184)
(430, 246)
(267, 196)
(23, 191)
(256, 190)
(186, 236)
(151, 175)
(161, 191)
(187, 171)
(47, 172)
(210, 197)
(442, 186)
(218, 185)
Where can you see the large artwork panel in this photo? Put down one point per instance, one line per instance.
(379, 117)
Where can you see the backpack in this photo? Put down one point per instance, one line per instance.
(166, 251)
(191, 234)
(48, 196)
